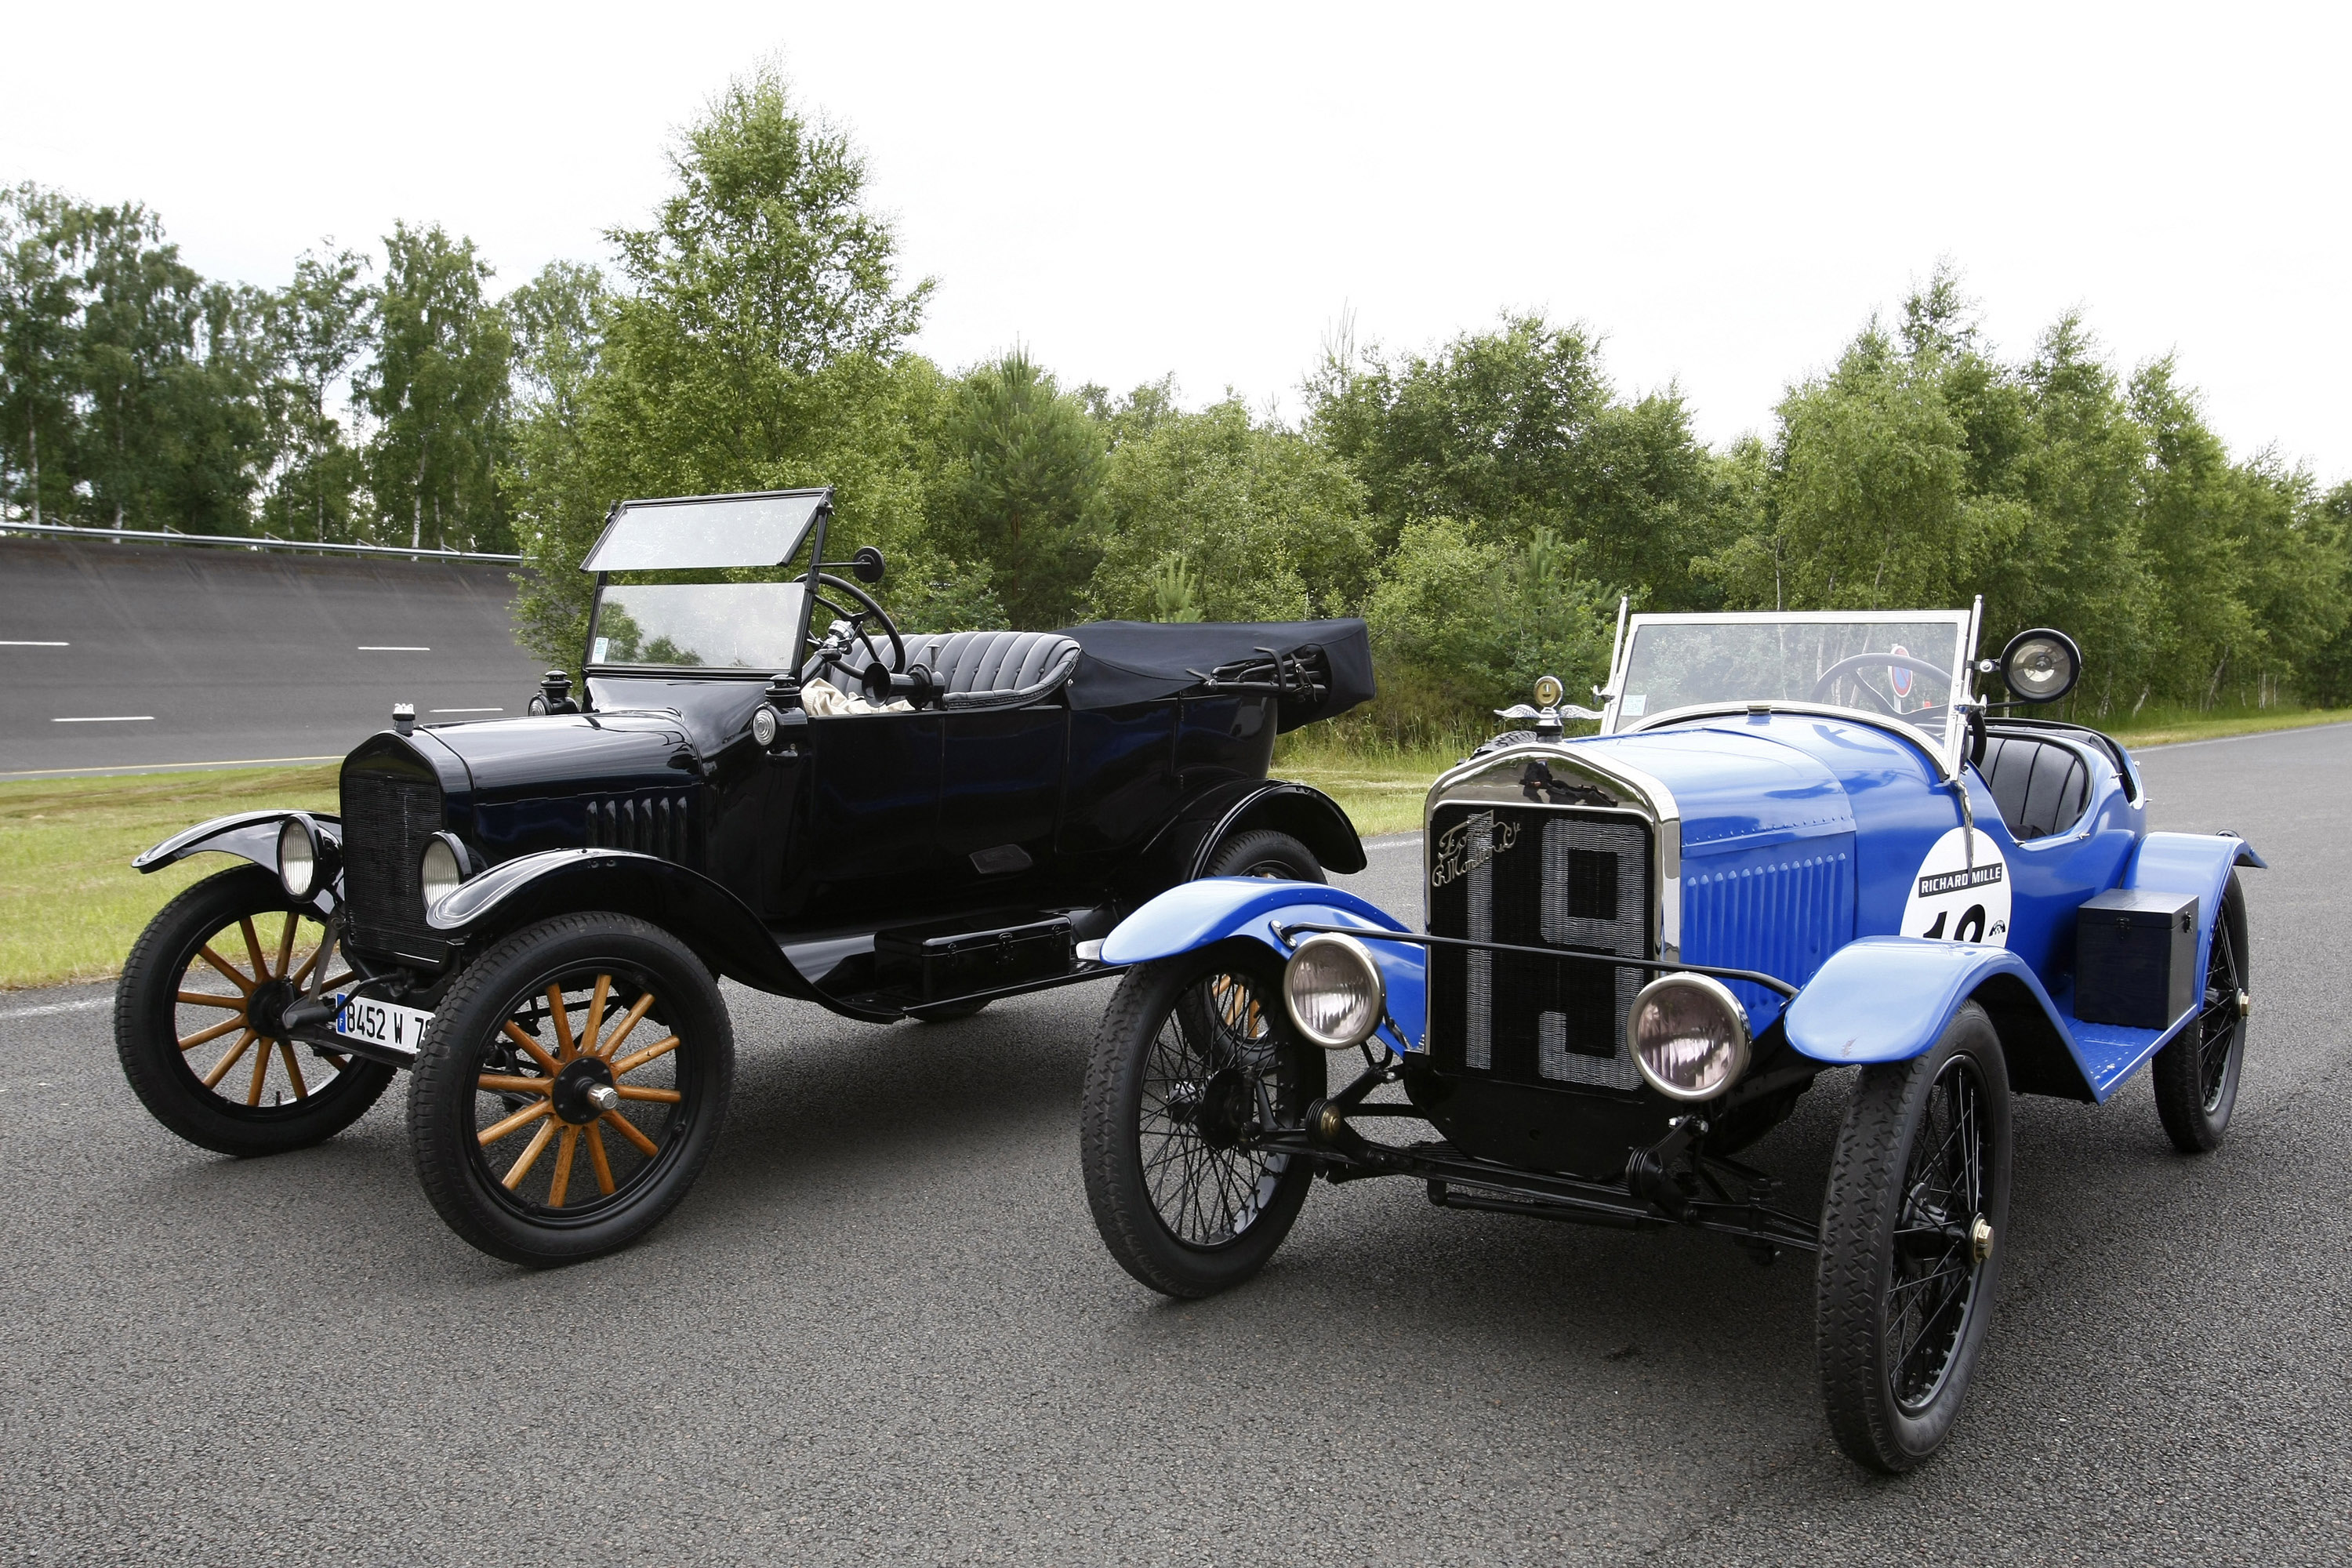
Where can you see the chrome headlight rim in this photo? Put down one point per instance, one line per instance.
(1368, 1013)
(298, 845)
(1718, 994)
(437, 882)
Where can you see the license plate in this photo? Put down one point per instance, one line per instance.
(380, 1023)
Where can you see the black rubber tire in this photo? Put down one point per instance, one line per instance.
(2194, 1108)
(1262, 852)
(444, 1115)
(1152, 996)
(1865, 1201)
(146, 1032)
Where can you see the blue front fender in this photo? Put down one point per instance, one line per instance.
(1194, 915)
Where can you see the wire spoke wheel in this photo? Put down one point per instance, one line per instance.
(1211, 1069)
(2196, 1076)
(1935, 1267)
(1910, 1260)
(200, 1021)
(570, 1088)
(1194, 1062)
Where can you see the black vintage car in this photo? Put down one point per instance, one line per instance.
(530, 915)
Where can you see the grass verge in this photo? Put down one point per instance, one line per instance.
(70, 905)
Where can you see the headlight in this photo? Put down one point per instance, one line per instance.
(1332, 991)
(441, 868)
(1689, 1035)
(763, 725)
(297, 858)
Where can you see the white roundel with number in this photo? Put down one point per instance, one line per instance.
(1953, 901)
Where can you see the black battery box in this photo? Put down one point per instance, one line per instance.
(940, 960)
(2136, 958)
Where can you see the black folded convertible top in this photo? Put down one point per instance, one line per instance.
(1322, 669)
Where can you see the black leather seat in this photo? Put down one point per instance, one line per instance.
(2043, 786)
(995, 669)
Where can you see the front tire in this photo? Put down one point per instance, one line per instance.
(1911, 1231)
(1193, 1052)
(2196, 1076)
(570, 1088)
(211, 974)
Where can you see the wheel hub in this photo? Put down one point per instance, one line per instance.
(1227, 1108)
(265, 1010)
(583, 1090)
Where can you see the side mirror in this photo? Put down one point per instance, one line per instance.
(866, 565)
(2041, 665)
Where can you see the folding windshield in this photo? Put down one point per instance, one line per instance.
(723, 625)
(706, 531)
(1906, 665)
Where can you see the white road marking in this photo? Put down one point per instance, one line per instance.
(469, 709)
(158, 767)
(389, 647)
(110, 719)
(6, 643)
(88, 1005)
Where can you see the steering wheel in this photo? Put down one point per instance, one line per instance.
(868, 610)
(1861, 661)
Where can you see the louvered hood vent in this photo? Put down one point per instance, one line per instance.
(650, 822)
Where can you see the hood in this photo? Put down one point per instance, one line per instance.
(564, 754)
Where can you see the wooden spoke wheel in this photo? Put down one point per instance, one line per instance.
(1193, 1059)
(198, 1022)
(570, 1089)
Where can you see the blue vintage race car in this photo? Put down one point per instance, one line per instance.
(1798, 843)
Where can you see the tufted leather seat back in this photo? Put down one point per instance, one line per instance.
(2043, 788)
(992, 669)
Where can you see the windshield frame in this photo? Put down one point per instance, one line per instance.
(812, 539)
(1945, 748)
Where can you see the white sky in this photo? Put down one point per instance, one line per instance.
(1725, 191)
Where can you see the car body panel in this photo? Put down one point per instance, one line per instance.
(1198, 914)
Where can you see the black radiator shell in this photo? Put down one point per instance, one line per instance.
(2136, 958)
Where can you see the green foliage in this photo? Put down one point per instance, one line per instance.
(1481, 620)
(1022, 483)
(755, 346)
(318, 326)
(1517, 430)
(1265, 523)
(437, 391)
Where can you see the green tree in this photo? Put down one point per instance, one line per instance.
(437, 391)
(41, 235)
(170, 368)
(1519, 430)
(758, 344)
(318, 326)
(1021, 486)
(1268, 524)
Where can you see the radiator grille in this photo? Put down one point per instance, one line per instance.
(650, 823)
(1537, 878)
(386, 821)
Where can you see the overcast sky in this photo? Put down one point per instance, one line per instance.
(1724, 193)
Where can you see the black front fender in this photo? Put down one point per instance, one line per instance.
(1208, 820)
(249, 834)
(719, 926)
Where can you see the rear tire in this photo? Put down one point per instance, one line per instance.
(208, 975)
(2196, 1076)
(1262, 852)
(1906, 1278)
(1190, 1044)
(509, 1141)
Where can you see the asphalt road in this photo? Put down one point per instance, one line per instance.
(144, 655)
(883, 1329)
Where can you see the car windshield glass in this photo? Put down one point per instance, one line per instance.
(1897, 665)
(726, 626)
(722, 530)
